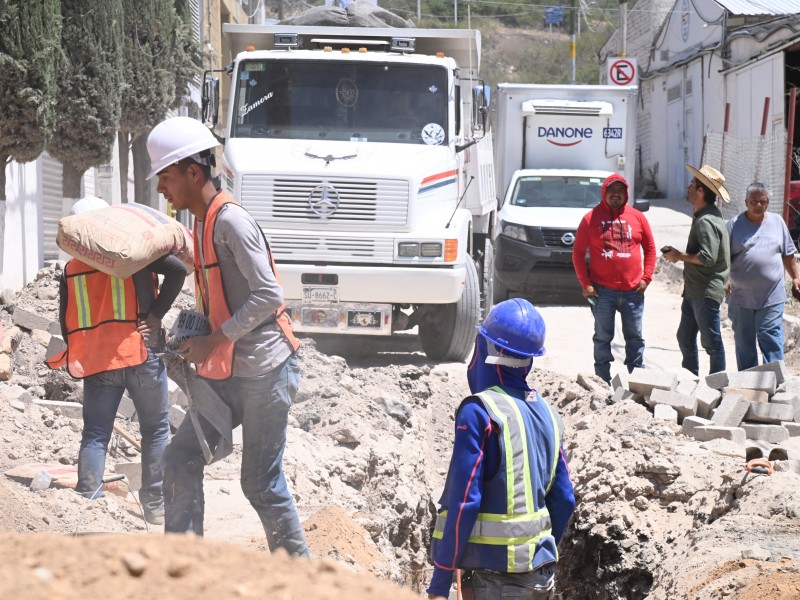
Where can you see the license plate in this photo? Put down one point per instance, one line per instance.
(328, 295)
(365, 319)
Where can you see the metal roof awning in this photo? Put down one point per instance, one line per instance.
(760, 7)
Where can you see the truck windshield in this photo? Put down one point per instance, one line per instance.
(368, 102)
(557, 192)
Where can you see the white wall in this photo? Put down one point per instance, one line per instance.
(21, 256)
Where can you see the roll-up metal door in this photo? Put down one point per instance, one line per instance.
(52, 203)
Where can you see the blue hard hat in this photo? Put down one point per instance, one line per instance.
(515, 325)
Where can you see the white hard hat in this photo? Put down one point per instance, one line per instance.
(88, 203)
(175, 139)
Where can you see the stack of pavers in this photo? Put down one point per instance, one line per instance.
(759, 407)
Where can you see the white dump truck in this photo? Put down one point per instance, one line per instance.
(364, 155)
(555, 145)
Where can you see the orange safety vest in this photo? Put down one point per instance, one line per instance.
(211, 299)
(101, 319)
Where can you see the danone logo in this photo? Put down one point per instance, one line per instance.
(565, 136)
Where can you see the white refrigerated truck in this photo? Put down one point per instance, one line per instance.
(363, 154)
(555, 144)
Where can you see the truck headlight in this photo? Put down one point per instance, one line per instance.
(516, 232)
(408, 249)
(430, 249)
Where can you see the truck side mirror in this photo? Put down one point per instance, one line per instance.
(480, 107)
(641, 204)
(210, 100)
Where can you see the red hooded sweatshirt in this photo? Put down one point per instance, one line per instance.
(617, 240)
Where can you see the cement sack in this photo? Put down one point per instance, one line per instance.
(122, 239)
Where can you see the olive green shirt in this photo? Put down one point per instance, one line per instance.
(708, 239)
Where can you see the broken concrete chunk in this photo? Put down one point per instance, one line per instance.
(644, 381)
(621, 394)
(754, 380)
(689, 423)
(730, 411)
(686, 387)
(792, 427)
(717, 381)
(662, 412)
(9, 339)
(686, 406)
(778, 367)
(760, 412)
(176, 415)
(707, 400)
(774, 434)
(132, 472)
(30, 320)
(709, 432)
(749, 395)
(71, 410)
(620, 380)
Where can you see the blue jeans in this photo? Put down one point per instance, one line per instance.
(102, 392)
(261, 404)
(630, 305)
(535, 585)
(762, 325)
(700, 315)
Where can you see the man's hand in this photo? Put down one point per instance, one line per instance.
(641, 286)
(197, 349)
(672, 256)
(150, 328)
(796, 284)
(589, 291)
(729, 287)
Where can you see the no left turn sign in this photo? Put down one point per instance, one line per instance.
(622, 71)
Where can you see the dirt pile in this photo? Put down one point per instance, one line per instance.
(175, 567)
(659, 515)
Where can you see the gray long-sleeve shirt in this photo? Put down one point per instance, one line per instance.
(252, 292)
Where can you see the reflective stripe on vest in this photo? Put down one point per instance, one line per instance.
(211, 299)
(101, 323)
(523, 526)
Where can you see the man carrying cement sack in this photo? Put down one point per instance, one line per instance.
(508, 497)
(112, 328)
(249, 356)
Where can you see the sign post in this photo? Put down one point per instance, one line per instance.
(553, 15)
(621, 71)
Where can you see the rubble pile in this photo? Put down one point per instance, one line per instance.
(659, 510)
(666, 508)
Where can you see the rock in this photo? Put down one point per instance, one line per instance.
(6, 367)
(9, 339)
(135, 563)
(592, 383)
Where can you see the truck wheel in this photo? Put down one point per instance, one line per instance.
(486, 270)
(447, 333)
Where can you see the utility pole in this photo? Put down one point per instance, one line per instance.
(419, 10)
(622, 42)
(455, 12)
(572, 49)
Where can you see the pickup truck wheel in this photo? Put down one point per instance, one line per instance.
(447, 332)
(499, 290)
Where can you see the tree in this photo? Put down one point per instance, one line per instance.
(150, 50)
(89, 88)
(30, 36)
(188, 59)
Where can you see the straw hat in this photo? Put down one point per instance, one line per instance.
(712, 178)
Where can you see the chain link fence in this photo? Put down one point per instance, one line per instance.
(745, 160)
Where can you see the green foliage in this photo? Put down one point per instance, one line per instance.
(90, 83)
(30, 36)
(149, 50)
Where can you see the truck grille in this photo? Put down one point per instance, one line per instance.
(274, 199)
(333, 249)
(552, 237)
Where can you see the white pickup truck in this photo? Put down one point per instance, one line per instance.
(555, 145)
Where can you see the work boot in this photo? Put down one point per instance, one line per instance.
(154, 517)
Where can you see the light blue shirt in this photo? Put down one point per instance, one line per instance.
(757, 251)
